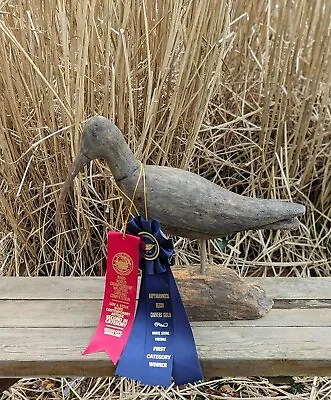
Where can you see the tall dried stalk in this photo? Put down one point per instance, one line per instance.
(237, 91)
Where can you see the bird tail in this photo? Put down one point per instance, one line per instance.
(290, 223)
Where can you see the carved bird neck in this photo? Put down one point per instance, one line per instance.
(102, 139)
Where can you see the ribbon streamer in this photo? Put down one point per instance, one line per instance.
(118, 307)
(161, 344)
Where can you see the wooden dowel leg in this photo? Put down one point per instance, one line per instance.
(203, 256)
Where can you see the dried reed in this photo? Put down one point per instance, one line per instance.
(237, 91)
(120, 389)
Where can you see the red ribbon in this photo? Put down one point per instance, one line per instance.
(119, 302)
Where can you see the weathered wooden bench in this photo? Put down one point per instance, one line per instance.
(45, 323)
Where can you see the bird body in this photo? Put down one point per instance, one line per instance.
(191, 206)
(185, 203)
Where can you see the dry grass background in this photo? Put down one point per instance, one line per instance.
(237, 91)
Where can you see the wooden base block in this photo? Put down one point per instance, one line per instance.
(220, 294)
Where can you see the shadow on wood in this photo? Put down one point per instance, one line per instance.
(220, 294)
(6, 383)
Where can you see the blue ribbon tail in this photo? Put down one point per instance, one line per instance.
(161, 344)
(145, 358)
(186, 366)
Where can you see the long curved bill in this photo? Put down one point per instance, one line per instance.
(79, 163)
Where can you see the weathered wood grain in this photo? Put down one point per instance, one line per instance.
(295, 288)
(208, 289)
(295, 304)
(220, 295)
(45, 324)
(238, 351)
(53, 288)
(92, 287)
(85, 313)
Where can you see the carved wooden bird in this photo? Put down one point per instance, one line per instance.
(184, 203)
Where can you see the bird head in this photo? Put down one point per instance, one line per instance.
(99, 136)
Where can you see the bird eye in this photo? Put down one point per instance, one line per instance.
(95, 130)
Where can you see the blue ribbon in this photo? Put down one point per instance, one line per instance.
(161, 344)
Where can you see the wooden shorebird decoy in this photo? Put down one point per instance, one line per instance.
(185, 203)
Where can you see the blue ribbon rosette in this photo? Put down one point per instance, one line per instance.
(161, 346)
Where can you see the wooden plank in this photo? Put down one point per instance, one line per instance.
(85, 313)
(297, 304)
(92, 288)
(295, 288)
(207, 298)
(49, 335)
(229, 351)
(49, 313)
(57, 288)
(221, 297)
